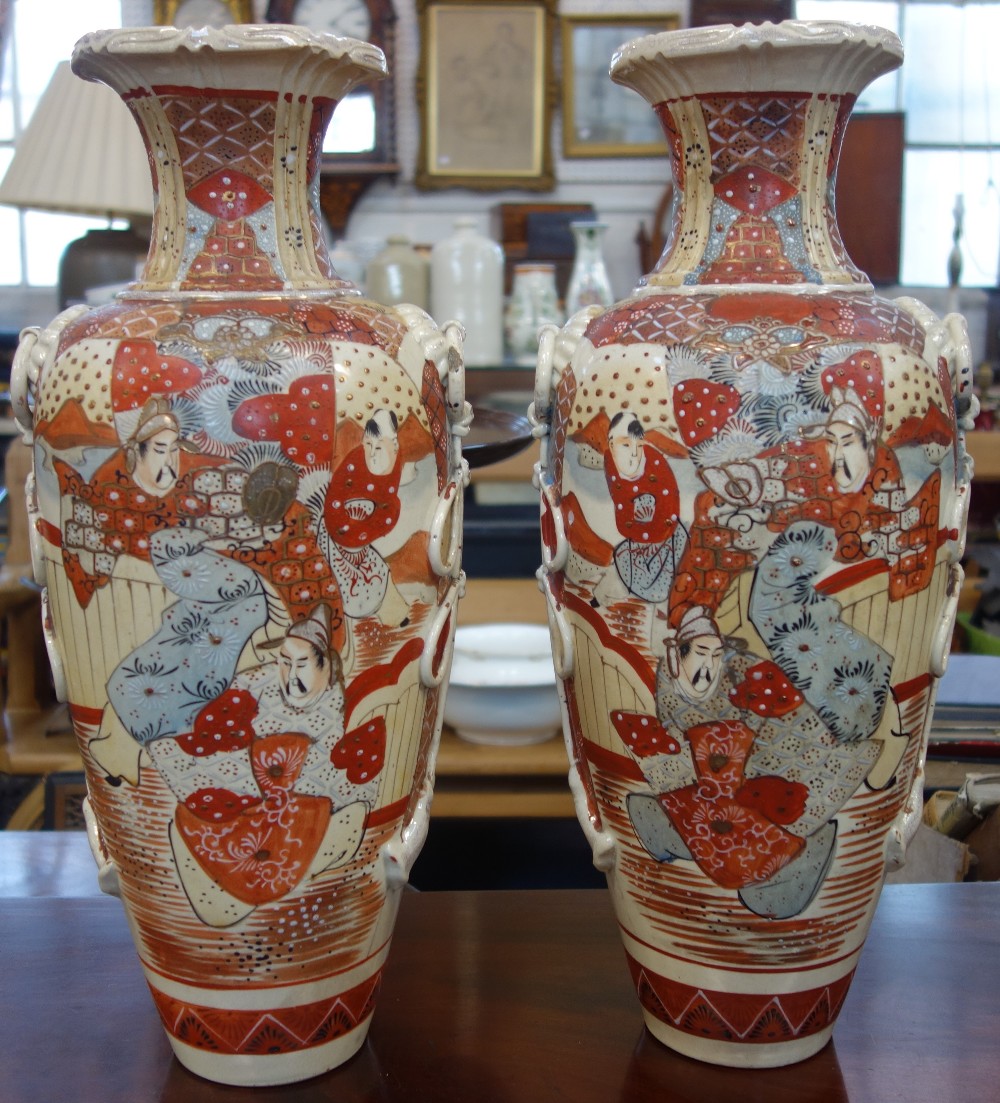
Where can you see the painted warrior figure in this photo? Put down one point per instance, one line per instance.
(745, 775)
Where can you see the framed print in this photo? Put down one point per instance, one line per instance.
(486, 91)
(201, 13)
(600, 118)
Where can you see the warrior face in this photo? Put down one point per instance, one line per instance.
(381, 443)
(303, 671)
(625, 437)
(700, 667)
(157, 463)
(849, 461)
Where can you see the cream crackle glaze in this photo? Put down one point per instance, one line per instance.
(754, 489)
(247, 510)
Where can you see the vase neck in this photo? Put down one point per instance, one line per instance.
(755, 175)
(588, 241)
(233, 121)
(236, 182)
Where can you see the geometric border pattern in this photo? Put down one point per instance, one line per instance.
(260, 1033)
(742, 1017)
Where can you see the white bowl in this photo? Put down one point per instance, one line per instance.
(503, 686)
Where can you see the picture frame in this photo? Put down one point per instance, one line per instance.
(201, 13)
(486, 92)
(601, 118)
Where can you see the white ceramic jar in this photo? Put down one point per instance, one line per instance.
(398, 274)
(467, 287)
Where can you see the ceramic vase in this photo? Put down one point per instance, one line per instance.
(534, 302)
(589, 283)
(754, 490)
(247, 504)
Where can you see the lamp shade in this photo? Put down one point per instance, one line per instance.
(81, 153)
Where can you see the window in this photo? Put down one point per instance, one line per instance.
(40, 36)
(949, 89)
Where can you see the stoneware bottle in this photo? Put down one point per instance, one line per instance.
(467, 287)
(754, 489)
(398, 274)
(247, 503)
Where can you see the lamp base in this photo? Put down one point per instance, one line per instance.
(98, 258)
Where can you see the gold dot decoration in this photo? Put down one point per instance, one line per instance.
(85, 368)
(617, 378)
(369, 380)
(910, 388)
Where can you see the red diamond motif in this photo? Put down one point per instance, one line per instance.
(229, 195)
(753, 190)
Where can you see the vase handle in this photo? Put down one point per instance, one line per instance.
(23, 380)
(957, 348)
(36, 348)
(107, 871)
(562, 637)
(433, 658)
(449, 509)
(52, 649)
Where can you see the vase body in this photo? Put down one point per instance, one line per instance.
(534, 302)
(589, 283)
(754, 490)
(245, 500)
(467, 287)
(398, 274)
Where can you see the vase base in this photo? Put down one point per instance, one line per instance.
(270, 1069)
(741, 1055)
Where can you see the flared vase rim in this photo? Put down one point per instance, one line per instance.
(758, 57)
(280, 40)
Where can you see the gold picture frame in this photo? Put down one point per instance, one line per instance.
(486, 91)
(601, 118)
(201, 13)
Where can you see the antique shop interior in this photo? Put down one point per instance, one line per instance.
(918, 203)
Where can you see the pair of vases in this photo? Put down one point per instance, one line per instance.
(247, 513)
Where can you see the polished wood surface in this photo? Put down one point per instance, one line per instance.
(504, 997)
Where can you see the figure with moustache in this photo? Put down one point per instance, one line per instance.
(261, 767)
(145, 485)
(750, 778)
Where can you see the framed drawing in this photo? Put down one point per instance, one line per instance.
(201, 13)
(600, 118)
(486, 91)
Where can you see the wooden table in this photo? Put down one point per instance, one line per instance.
(506, 997)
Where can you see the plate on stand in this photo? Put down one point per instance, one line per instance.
(495, 435)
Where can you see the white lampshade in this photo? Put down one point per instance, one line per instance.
(81, 153)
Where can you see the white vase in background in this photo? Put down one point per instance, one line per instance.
(467, 287)
(534, 302)
(589, 284)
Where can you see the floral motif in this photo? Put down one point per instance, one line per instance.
(187, 575)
